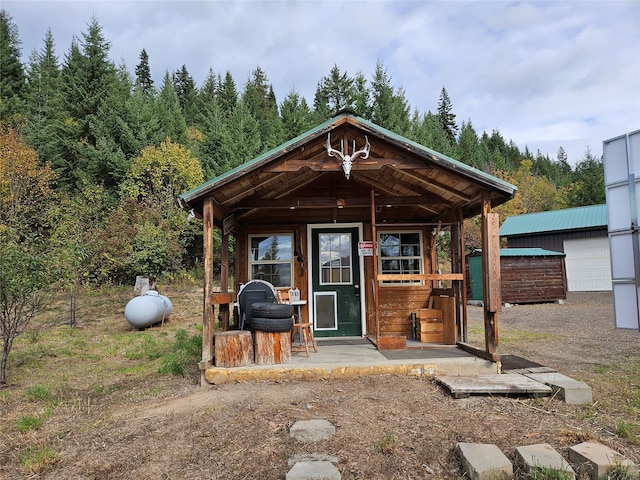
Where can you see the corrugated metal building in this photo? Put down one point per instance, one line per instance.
(580, 233)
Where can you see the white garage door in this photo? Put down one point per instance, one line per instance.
(588, 264)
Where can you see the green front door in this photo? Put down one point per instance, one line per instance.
(336, 282)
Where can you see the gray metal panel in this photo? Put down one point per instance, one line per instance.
(622, 180)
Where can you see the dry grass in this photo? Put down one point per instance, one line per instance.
(90, 402)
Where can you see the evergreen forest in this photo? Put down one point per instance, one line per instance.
(93, 155)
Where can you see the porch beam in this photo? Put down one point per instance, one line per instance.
(349, 201)
(388, 277)
(328, 164)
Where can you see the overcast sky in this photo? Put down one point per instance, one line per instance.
(545, 74)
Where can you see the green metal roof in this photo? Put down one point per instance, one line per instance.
(580, 218)
(451, 163)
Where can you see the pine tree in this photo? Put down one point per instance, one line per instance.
(12, 78)
(185, 88)
(169, 113)
(361, 96)
(260, 99)
(587, 186)
(91, 87)
(228, 94)
(468, 144)
(296, 115)
(334, 93)
(44, 102)
(446, 117)
(143, 75)
(382, 98)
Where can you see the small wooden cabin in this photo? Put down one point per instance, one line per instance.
(528, 275)
(349, 213)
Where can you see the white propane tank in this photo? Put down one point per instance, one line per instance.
(148, 309)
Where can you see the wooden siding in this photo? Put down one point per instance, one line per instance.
(399, 303)
(533, 279)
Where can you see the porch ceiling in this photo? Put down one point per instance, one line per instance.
(300, 182)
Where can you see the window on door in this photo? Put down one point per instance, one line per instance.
(400, 253)
(335, 258)
(271, 259)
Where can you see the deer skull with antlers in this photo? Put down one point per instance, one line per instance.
(347, 160)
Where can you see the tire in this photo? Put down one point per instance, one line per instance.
(272, 324)
(271, 310)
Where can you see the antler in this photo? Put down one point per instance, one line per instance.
(331, 151)
(365, 150)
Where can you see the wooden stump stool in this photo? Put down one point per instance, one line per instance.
(272, 347)
(233, 348)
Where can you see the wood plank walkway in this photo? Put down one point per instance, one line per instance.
(464, 386)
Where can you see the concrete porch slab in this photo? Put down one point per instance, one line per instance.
(349, 361)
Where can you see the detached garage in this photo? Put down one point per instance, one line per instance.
(580, 233)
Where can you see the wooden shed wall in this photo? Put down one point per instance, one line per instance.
(533, 279)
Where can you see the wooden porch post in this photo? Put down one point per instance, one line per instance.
(464, 334)
(224, 280)
(490, 277)
(207, 306)
(374, 238)
(457, 266)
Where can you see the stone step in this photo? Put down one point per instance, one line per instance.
(312, 430)
(484, 461)
(570, 390)
(318, 470)
(542, 458)
(597, 460)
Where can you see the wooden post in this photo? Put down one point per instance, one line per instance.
(207, 307)
(224, 281)
(490, 277)
(456, 267)
(463, 334)
(374, 238)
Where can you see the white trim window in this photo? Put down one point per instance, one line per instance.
(400, 254)
(271, 259)
(335, 259)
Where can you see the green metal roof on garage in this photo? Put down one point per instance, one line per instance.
(580, 218)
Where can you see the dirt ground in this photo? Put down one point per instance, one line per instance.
(387, 427)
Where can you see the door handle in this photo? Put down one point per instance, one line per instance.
(357, 290)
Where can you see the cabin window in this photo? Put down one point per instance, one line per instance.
(271, 259)
(400, 254)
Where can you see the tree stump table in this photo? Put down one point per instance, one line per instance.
(233, 348)
(272, 347)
